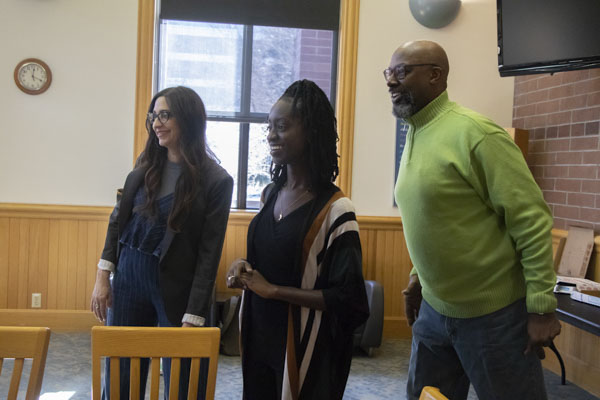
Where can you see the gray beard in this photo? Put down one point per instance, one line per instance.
(406, 107)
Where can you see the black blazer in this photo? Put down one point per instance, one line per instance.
(190, 258)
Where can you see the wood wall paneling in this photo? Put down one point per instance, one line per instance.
(52, 266)
(580, 351)
(386, 260)
(53, 250)
(4, 261)
(13, 263)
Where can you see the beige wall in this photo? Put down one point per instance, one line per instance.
(470, 42)
(74, 143)
(82, 127)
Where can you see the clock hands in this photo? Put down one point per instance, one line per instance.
(35, 77)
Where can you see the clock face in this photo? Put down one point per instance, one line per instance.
(33, 76)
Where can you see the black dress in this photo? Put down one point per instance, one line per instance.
(273, 244)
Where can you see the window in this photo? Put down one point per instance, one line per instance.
(240, 70)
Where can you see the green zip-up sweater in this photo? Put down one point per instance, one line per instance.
(476, 225)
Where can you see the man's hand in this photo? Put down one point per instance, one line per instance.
(412, 299)
(542, 328)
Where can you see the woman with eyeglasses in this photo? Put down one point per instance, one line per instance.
(166, 232)
(304, 293)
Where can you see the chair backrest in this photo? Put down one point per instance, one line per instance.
(21, 343)
(143, 342)
(431, 393)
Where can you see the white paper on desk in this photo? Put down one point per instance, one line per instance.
(586, 298)
(580, 283)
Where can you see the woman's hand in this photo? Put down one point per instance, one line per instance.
(254, 281)
(235, 271)
(101, 296)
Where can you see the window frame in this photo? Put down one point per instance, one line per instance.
(345, 82)
(244, 117)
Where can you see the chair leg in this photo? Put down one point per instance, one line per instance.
(560, 361)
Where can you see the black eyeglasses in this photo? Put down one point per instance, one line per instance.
(399, 71)
(163, 116)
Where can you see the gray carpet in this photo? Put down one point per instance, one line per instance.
(383, 376)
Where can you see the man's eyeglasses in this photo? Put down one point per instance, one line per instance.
(399, 71)
(163, 116)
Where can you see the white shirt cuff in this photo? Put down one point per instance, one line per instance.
(193, 319)
(106, 265)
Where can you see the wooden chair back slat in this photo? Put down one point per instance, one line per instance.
(134, 378)
(154, 378)
(175, 369)
(156, 343)
(13, 389)
(21, 343)
(193, 387)
(96, 378)
(115, 378)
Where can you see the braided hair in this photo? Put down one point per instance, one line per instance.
(312, 107)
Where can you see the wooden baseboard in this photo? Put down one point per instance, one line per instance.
(56, 320)
(79, 321)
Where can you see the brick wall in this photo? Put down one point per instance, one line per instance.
(315, 57)
(562, 114)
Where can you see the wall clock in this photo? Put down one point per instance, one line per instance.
(33, 76)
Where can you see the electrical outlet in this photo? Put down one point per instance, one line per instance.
(36, 300)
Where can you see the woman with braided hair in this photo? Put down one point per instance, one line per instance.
(304, 293)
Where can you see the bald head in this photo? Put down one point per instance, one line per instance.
(426, 52)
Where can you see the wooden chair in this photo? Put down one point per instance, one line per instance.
(21, 343)
(143, 342)
(431, 393)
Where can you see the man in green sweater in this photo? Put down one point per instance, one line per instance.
(477, 228)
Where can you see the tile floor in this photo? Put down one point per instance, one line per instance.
(383, 376)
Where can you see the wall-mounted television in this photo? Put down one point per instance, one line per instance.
(545, 36)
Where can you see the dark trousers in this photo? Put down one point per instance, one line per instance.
(136, 301)
(487, 351)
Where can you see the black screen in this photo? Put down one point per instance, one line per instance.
(536, 36)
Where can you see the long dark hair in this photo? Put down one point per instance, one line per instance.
(188, 110)
(311, 105)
